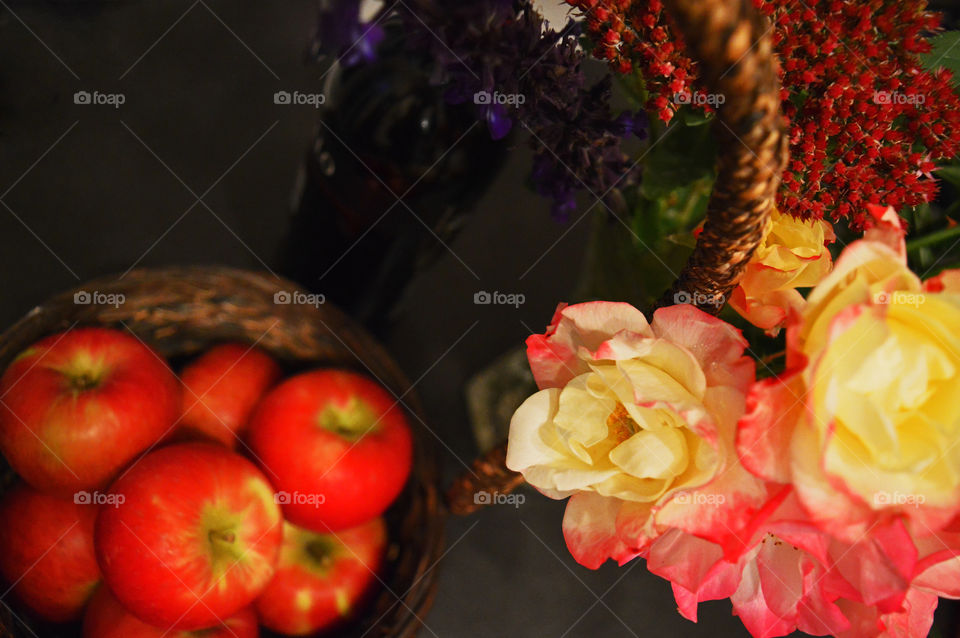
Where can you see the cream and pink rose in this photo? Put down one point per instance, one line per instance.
(635, 422)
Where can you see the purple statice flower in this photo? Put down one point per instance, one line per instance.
(578, 147)
(553, 181)
(342, 34)
(498, 54)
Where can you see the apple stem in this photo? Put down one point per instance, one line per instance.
(222, 537)
(84, 382)
(321, 551)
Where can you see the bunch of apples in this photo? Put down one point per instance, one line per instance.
(210, 504)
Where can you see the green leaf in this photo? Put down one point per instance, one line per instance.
(950, 173)
(695, 117)
(945, 53)
(684, 155)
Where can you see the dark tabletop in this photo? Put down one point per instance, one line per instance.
(197, 167)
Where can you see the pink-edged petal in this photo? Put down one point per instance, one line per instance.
(718, 511)
(553, 363)
(768, 312)
(916, 618)
(913, 620)
(684, 559)
(717, 345)
(686, 602)
(554, 356)
(781, 569)
(938, 570)
(947, 281)
(753, 608)
(887, 228)
(719, 582)
(880, 565)
(723, 508)
(590, 528)
(818, 613)
(765, 431)
(792, 585)
(594, 322)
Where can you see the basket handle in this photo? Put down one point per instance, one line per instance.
(734, 47)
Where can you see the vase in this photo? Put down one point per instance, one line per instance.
(388, 180)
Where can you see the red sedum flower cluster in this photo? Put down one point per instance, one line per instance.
(867, 121)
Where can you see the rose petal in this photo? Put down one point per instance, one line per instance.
(717, 345)
(554, 356)
(658, 454)
(764, 433)
(590, 530)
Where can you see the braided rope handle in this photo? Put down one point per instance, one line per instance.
(734, 47)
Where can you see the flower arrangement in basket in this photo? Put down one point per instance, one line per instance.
(140, 503)
(823, 496)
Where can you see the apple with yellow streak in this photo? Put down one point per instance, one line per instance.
(321, 579)
(195, 539)
(80, 405)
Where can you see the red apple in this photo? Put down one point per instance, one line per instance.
(107, 618)
(337, 446)
(321, 578)
(195, 538)
(46, 552)
(78, 406)
(222, 387)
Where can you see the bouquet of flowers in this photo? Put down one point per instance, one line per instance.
(824, 498)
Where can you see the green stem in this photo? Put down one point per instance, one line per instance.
(933, 238)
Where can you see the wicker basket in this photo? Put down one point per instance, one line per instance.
(733, 45)
(181, 311)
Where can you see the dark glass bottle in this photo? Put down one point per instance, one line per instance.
(386, 133)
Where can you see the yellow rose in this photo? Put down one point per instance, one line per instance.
(866, 423)
(793, 255)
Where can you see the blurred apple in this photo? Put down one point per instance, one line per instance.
(337, 446)
(195, 539)
(321, 579)
(46, 552)
(80, 405)
(107, 618)
(222, 387)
